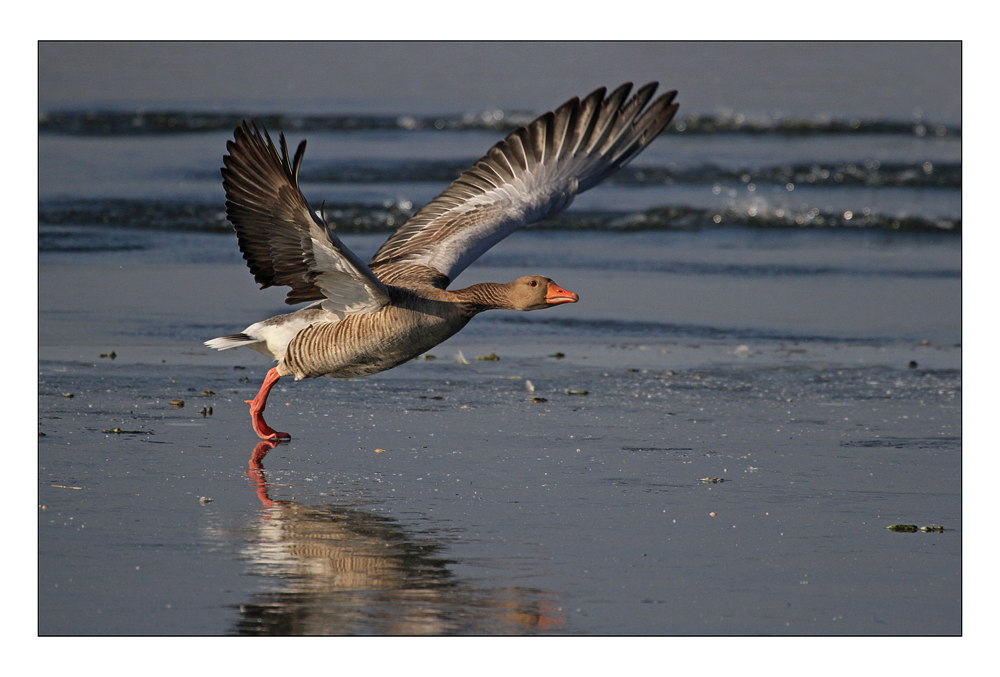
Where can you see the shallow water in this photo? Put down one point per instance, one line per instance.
(440, 498)
(770, 296)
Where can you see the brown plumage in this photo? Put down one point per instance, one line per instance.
(371, 317)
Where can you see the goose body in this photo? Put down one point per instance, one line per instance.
(368, 318)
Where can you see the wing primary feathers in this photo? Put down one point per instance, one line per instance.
(587, 117)
(610, 107)
(297, 162)
(533, 173)
(283, 241)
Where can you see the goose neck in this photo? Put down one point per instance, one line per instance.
(486, 296)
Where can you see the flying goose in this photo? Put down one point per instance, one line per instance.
(369, 318)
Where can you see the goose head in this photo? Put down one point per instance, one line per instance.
(534, 292)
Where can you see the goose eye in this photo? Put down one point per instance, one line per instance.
(534, 283)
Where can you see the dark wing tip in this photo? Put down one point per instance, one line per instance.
(268, 211)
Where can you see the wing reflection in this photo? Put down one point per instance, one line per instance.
(343, 570)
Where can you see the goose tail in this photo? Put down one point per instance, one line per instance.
(231, 341)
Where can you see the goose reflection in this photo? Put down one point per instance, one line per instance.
(343, 570)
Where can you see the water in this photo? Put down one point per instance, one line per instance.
(793, 239)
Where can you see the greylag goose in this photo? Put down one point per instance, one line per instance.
(369, 318)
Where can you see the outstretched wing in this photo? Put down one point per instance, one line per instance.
(532, 174)
(282, 240)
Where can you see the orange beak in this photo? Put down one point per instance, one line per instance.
(555, 295)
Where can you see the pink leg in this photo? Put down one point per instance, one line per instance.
(257, 404)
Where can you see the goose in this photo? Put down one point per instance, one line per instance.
(367, 318)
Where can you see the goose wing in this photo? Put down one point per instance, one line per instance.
(532, 174)
(282, 240)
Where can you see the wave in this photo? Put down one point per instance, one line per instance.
(755, 216)
(362, 218)
(137, 214)
(868, 173)
(183, 216)
(139, 122)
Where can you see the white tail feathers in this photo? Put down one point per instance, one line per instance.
(231, 341)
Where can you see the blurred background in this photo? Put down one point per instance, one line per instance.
(900, 80)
